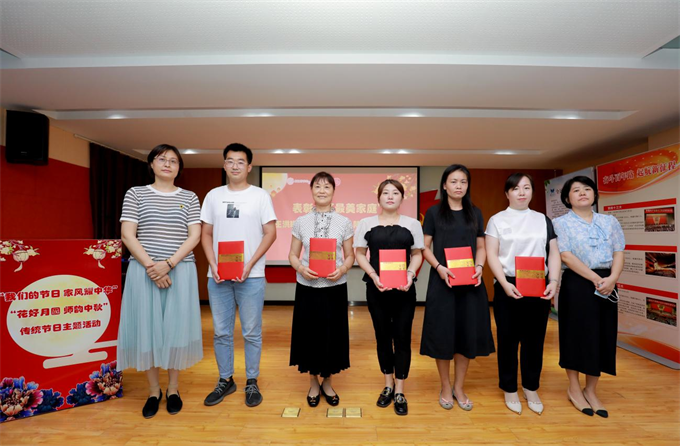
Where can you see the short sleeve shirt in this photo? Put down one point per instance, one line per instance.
(592, 243)
(239, 215)
(523, 233)
(162, 218)
(406, 234)
(322, 225)
(454, 233)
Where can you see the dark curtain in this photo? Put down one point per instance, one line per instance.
(111, 175)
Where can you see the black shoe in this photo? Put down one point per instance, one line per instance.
(313, 401)
(151, 406)
(400, 404)
(331, 400)
(222, 389)
(385, 397)
(253, 395)
(173, 403)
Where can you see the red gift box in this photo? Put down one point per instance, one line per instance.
(459, 261)
(530, 276)
(230, 260)
(322, 255)
(393, 268)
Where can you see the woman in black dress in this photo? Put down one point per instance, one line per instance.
(391, 310)
(457, 324)
(320, 334)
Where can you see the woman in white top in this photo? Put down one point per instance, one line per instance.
(519, 231)
(391, 310)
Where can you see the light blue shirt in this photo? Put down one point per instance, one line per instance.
(592, 243)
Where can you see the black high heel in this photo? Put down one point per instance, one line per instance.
(331, 400)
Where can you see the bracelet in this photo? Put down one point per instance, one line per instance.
(372, 272)
(478, 265)
(409, 271)
(438, 265)
(169, 263)
(553, 280)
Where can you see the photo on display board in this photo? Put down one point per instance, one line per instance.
(660, 219)
(662, 311)
(661, 264)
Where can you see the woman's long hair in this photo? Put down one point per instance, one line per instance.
(468, 207)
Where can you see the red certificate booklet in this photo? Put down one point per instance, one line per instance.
(393, 267)
(530, 276)
(322, 255)
(459, 261)
(230, 260)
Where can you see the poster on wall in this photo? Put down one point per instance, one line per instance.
(642, 193)
(553, 190)
(60, 307)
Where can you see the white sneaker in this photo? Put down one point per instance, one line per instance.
(536, 405)
(512, 402)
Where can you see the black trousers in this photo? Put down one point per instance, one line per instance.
(519, 322)
(392, 314)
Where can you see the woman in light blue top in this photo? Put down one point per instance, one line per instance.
(591, 246)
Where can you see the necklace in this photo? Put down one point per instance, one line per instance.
(322, 223)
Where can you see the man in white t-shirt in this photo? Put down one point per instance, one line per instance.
(237, 212)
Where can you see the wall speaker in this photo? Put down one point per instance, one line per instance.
(28, 138)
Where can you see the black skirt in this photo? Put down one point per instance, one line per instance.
(588, 326)
(457, 320)
(320, 335)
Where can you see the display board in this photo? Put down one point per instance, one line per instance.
(60, 308)
(642, 193)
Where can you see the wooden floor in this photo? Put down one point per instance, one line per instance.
(643, 401)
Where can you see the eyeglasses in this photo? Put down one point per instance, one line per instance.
(173, 161)
(240, 163)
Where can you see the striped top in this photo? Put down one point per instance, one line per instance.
(162, 218)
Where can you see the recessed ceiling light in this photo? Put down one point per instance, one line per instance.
(403, 152)
(504, 152)
(279, 151)
(189, 152)
(116, 116)
(387, 152)
(411, 115)
(294, 151)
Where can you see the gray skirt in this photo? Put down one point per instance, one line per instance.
(160, 327)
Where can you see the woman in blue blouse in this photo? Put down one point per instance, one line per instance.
(591, 247)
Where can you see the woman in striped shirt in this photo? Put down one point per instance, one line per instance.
(160, 324)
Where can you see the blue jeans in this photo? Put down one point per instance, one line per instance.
(224, 297)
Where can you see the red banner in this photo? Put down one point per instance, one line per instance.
(60, 300)
(639, 171)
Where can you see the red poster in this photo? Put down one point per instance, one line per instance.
(60, 306)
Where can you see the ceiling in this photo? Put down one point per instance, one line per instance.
(510, 84)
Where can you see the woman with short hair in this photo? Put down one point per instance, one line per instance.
(320, 334)
(591, 247)
(160, 321)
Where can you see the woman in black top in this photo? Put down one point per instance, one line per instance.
(457, 324)
(391, 310)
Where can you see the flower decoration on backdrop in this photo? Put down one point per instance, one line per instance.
(19, 252)
(19, 399)
(104, 384)
(100, 250)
